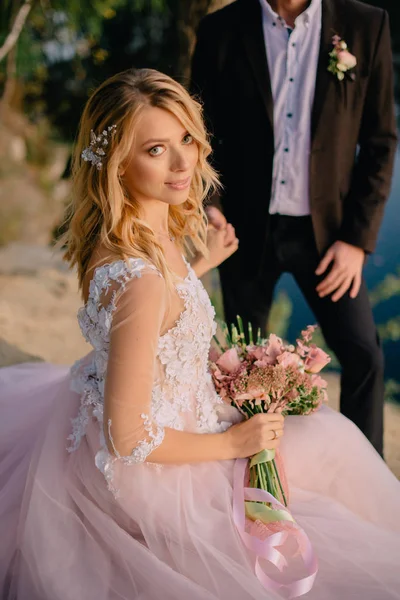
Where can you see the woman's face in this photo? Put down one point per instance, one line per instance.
(162, 159)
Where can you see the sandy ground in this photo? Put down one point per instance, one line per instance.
(39, 300)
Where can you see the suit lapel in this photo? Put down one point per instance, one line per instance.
(325, 81)
(253, 39)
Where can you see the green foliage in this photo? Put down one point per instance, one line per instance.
(62, 54)
(390, 330)
(392, 390)
(280, 315)
(216, 295)
(387, 289)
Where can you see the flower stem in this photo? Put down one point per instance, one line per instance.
(280, 483)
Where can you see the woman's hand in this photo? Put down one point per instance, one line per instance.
(261, 432)
(221, 244)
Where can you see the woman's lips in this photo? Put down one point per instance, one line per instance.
(181, 184)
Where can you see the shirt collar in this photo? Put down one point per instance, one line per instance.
(305, 17)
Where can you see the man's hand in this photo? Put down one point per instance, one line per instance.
(346, 271)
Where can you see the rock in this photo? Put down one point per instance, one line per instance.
(29, 259)
(11, 355)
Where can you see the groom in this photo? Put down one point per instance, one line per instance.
(306, 156)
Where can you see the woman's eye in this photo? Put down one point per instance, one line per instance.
(188, 139)
(156, 151)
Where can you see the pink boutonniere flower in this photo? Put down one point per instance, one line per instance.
(341, 60)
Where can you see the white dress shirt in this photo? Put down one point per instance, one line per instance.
(292, 60)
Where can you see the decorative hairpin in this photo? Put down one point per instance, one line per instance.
(98, 143)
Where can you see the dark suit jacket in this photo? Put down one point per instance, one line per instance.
(353, 124)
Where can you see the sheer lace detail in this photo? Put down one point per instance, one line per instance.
(182, 393)
(94, 318)
(143, 448)
(185, 385)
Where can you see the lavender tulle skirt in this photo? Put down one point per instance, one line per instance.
(171, 535)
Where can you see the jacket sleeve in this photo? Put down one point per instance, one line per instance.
(370, 187)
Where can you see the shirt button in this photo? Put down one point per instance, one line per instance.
(283, 182)
(291, 79)
(273, 24)
(286, 149)
(289, 115)
(294, 44)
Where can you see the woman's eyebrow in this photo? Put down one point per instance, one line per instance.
(155, 141)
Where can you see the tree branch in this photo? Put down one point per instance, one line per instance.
(16, 29)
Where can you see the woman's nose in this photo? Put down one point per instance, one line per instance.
(180, 161)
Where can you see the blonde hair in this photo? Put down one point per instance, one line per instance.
(101, 211)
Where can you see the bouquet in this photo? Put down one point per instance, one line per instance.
(268, 376)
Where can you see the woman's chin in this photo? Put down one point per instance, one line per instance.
(177, 198)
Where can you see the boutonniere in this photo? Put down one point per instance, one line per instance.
(341, 60)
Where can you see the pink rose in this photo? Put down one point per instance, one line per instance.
(229, 361)
(289, 359)
(316, 360)
(346, 60)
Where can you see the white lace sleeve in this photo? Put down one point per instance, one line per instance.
(129, 432)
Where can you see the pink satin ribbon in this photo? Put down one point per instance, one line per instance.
(266, 549)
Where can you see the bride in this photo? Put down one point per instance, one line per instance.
(117, 475)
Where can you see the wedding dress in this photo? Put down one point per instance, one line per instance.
(77, 523)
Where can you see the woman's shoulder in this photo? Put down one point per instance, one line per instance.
(108, 270)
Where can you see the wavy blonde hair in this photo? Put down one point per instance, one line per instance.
(101, 211)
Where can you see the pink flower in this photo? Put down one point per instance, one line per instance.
(308, 333)
(256, 352)
(316, 380)
(214, 354)
(239, 398)
(257, 393)
(287, 359)
(267, 355)
(229, 361)
(224, 395)
(346, 60)
(316, 360)
(274, 347)
(292, 395)
(301, 349)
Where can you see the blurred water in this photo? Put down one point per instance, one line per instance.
(385, 260)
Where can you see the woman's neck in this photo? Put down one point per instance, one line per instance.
(156, 214)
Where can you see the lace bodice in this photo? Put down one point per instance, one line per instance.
(182, 396)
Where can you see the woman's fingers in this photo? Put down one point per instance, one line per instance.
(230, 235)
